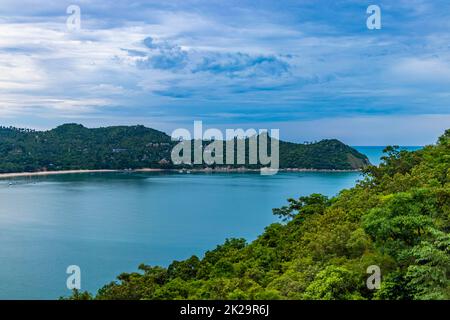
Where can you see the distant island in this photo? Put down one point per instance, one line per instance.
(73, 147)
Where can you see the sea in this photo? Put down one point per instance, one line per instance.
(109, 223)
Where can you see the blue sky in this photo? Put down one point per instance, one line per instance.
(310, 68)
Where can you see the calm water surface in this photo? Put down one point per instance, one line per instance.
(110, 223)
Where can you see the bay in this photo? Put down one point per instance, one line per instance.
(110, 223)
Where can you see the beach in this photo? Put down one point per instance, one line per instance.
(47, 173)
(206, 170)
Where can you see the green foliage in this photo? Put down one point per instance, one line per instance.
(72, 146)
(397, 217)
(333, 283)
(427, 277)
(78, 295)
(325, 154)
(314, 204)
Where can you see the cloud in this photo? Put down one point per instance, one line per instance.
(241, 64)
(423, 70)
(181, 60)
(164, 55)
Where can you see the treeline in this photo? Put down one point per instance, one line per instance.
(396, 218)
(72, 146)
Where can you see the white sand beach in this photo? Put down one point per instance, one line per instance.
(47, 173)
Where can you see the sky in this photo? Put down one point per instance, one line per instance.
(310, 68)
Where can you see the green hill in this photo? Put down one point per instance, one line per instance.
(397, 218)
(72, 146)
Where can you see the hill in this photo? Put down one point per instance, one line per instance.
(396, 220)
(72, 147)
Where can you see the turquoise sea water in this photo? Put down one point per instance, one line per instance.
(374, 153)
(110, 223)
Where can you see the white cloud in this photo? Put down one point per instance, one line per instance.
(335, 68)
(422, 70)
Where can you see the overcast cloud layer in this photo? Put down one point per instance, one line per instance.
(310, 68)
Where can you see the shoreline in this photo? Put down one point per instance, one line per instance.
(184, 170)
(49, 173)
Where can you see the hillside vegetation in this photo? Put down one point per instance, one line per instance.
(397, 218)
(72, 146)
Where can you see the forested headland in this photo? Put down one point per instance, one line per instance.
(397, 218)
(75, 147)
